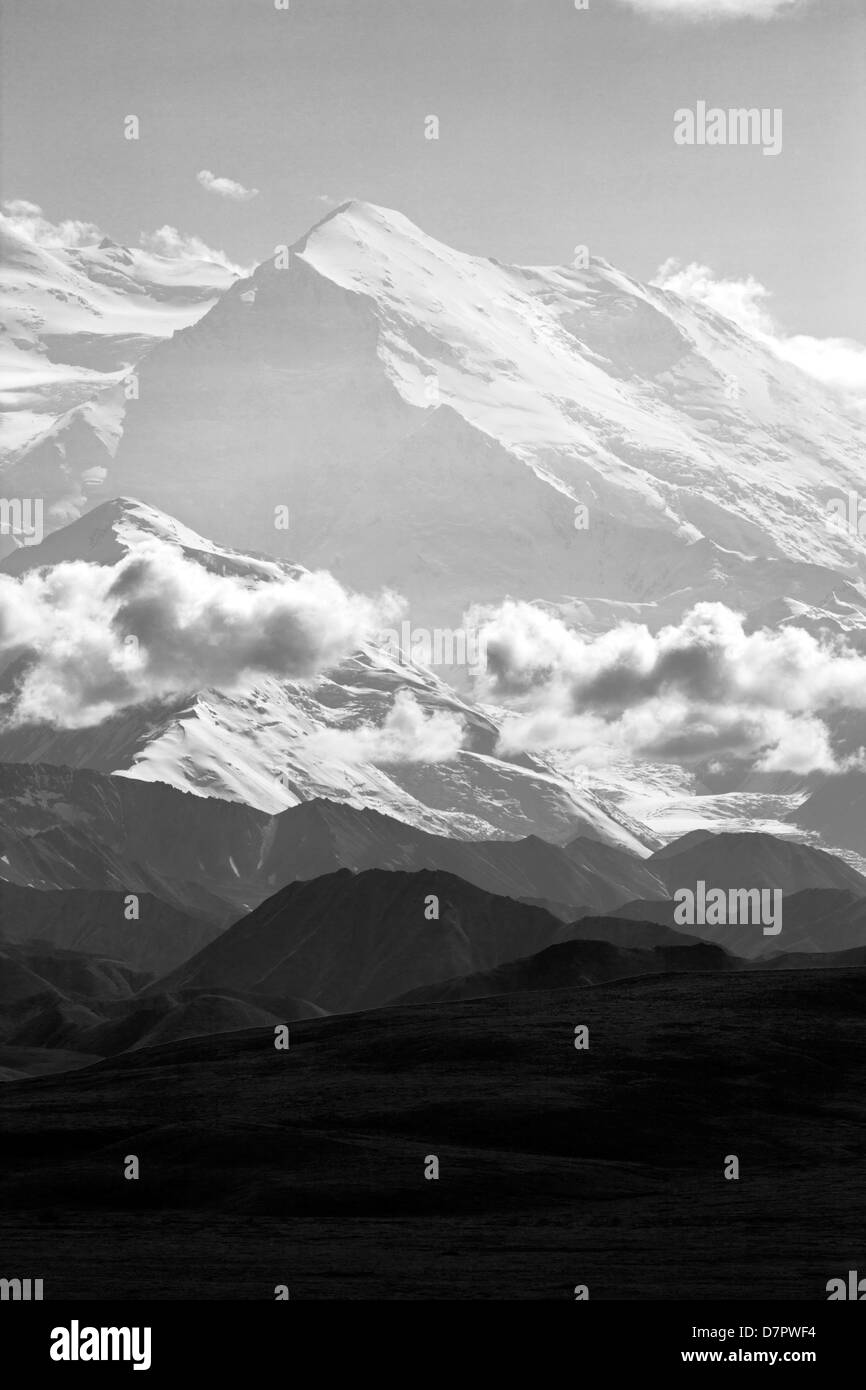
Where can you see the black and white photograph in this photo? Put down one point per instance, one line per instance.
(433, 660)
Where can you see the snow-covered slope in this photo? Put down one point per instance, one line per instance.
(432, 420)
(81, 306)
(262, 746)
(73, 322)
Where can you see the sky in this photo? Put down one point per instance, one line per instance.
(555, 129)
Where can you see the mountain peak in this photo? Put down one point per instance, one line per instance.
(106, 535)
(359, 223)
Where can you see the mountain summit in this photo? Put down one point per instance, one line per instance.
(459, 429)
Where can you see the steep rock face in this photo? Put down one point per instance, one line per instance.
(213, 860)
(835, 811)
(62, 827)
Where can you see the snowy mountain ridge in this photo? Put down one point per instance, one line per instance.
(459, 429)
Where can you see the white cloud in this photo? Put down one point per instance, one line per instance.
(168, 241)
(26, 220)
(839, 363)
(225, 188)
(408, 734)
(739, 300)
(701, 689)
(699, 10)
(91, 640)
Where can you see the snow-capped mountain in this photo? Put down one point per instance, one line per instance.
(434, 421)
(440, 424)
(73, 322)
(263, 745)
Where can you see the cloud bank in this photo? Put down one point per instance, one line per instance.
(703, 690)
(80, 642)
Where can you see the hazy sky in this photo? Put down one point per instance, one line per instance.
(556, 129)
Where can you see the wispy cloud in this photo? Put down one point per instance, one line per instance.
(408, 734)
(839, 363)
(698, 11)
(225, 188)
(168, 241)
(26, 220)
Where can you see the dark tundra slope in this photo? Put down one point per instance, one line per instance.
(817, 920)
(594, 960)
(557, 1167)
(96, 922)
(63, 1009)
(42, 982)
(576, 963)
(354, 941)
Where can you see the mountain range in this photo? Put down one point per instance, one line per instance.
(412, 418)
(213, 859)
(254, 744)
(413, 626)
(372, 425)
(349, 941)
(266, 746)
(386, 387)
